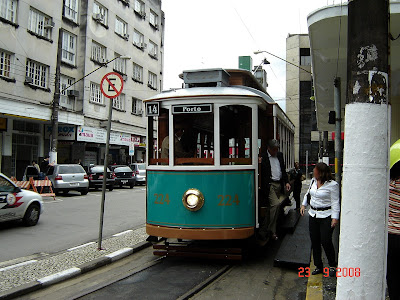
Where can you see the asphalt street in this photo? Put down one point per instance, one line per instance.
(72, 220)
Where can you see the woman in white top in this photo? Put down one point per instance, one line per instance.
(324, 216)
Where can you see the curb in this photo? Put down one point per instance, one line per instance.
(72, 272)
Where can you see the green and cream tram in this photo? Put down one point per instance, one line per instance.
(204, 143)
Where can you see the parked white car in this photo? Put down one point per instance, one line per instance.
(19, 204)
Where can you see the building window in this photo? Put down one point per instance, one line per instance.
(152, 81)
(120, 64)
(119, 102)
(153, 20)
(139, 8)
(153, 49)
(121, 28)
(65, 100)
(305, 57)
(138, 39)
(71, 10)
(8, 10)
(100, 13)
(137, 73)
(68, 47)
(40, 24)
(36, 73)
(5, 63)
(136, 106)
(95, 93)
(98, 53)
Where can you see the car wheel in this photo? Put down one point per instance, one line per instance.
(131, 185)
(111, 188)
(121, 186)
(84, 192)
(32, 215)
(57, 192)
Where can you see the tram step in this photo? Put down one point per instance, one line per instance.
(218, 256)
(295, 250)
(290, 221)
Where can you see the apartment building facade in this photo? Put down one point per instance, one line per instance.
(300, 106)
(94, 35)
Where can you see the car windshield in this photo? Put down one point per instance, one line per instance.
(6, 185)
(142, 167)
(71, 169)
(99, 169)
(122, 169)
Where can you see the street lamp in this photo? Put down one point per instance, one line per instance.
(264, 51)
(263, 62)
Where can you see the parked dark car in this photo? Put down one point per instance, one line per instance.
(123, 176)
(140, 172)
(95, 175)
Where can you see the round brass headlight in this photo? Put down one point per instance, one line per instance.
(193, 199)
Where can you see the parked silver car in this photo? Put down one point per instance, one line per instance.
(19, 204)
(67, 178)
(140, 172)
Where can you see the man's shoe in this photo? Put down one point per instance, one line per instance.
(317, 271)
(332, 272)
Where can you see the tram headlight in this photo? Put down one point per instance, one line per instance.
(193, 199)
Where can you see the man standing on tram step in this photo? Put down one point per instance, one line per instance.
(276, 184)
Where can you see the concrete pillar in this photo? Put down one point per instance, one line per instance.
(363, 230)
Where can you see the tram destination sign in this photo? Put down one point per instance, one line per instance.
(192, 109)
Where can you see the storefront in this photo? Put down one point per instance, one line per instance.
(95, 140)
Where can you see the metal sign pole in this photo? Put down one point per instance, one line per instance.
(111, 87)
(103, 189)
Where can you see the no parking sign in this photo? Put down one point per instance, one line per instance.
(111, 85)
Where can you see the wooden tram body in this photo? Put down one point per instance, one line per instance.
(204, 184)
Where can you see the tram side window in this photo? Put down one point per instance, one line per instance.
(235, 135)
(157, 156)
(194, 139)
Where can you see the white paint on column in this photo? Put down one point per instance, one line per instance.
(363, 228)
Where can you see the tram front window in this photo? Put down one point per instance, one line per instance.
(235, 135)
(194, 139)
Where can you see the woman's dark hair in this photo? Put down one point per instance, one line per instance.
(324, 171)
(395, 171)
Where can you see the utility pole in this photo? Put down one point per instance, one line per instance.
(338, 130)
(325, 155)
(56, 103)
(363, 229)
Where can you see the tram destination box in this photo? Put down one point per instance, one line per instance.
(192, 109)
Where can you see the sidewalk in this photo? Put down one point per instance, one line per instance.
(33, 274)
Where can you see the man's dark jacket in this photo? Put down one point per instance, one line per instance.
(266, 173)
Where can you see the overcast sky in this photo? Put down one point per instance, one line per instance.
(211, 33)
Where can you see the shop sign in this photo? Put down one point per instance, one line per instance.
(91, 135)
(120, 138)
(135, 140)
(65, 132)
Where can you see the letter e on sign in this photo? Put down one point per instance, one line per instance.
(111, 85)
(152, 109)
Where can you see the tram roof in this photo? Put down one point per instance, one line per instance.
(196, 92)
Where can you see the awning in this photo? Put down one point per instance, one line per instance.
(329, 57)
